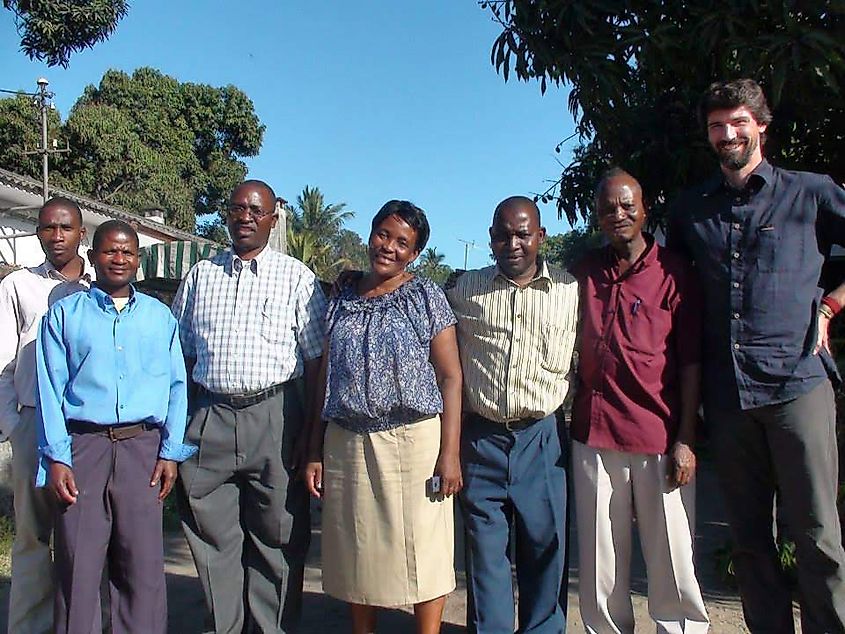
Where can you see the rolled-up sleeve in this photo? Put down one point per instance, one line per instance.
(54, 444)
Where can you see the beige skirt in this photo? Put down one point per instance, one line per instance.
(384, 541)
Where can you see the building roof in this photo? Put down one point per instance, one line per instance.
(142, 225)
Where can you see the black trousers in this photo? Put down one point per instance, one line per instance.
(789, 448)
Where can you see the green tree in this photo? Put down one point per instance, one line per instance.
(51, 30)
(635, 71)
(312, 213)
(20, 130)
(317, 237)
(564, 249)
(431, 264)
(149, 141)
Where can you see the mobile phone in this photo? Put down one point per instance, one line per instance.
(432, 486)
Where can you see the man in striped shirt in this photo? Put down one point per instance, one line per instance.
(516, 333)
(251, 322)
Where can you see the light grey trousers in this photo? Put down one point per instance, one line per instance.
(245, 514)
(31, 596)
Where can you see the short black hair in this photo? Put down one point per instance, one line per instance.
(112, 226)
(722, 95)
(410, 213)
(261, 184)
(517, 201)
(63, 201)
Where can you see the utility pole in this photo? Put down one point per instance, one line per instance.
(42, 99)
(468, 244)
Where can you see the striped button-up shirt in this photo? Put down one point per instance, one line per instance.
(25, 296)
(516, 343)
(249, 323)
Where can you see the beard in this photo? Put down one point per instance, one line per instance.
(736, 157)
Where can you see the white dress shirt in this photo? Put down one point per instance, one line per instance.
(25, 295)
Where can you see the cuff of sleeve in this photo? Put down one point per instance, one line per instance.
(178, 452)
(58, 452)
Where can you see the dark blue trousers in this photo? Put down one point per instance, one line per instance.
(515, 478)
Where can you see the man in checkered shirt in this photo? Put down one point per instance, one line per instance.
(251, 323)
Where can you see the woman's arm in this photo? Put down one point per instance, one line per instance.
(447, 366)
(312, 472)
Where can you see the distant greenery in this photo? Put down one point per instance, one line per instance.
(431, 264)
(564, 249)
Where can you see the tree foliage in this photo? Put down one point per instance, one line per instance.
(636, 70)
(20, 131)
(146, 141)
(431, 264)
(52, 30)
(564, 249)
(316, 235)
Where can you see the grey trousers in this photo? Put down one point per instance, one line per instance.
(116, 521)
(789, 448)
(31, 596)
(245, 514)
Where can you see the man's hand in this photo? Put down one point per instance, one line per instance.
(448, 467)
(682, 466)
(822, 334)
(61, 483)
(312, 474)
(165, 471)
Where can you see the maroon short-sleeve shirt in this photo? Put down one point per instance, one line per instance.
(637, 331)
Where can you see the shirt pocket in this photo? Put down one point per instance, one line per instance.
(779, 251)
(275, 326)
(647, 331)
(557, 346)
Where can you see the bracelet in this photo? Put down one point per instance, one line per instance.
(831, 303)
(824, 309)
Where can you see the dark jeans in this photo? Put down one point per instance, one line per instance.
(515, 477)
(789, 448)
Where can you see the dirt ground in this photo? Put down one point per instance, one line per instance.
(324, 615)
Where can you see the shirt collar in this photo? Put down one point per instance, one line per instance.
(762, 175)
(648, 257)
(46, 269)
(235, 263)
(541, 274)
(105, 301)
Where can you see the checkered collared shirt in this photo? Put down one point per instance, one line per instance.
(249, 323)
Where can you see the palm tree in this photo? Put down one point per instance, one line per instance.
(430, 265)
(312, 213)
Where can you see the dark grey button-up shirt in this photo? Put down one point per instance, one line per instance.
(759, 254)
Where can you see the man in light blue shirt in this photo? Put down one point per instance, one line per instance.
(112, 407)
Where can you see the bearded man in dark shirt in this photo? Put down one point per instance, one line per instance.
(758, 236)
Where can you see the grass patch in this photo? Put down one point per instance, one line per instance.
(7, 535)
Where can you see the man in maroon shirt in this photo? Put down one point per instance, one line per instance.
(633, 420)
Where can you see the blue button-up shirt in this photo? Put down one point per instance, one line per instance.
(759, 253)
(98, 365)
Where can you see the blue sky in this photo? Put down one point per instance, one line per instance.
(367, 100)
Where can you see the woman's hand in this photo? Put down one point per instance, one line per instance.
(448, 467)
(312, 474)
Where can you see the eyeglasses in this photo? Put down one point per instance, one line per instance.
(255, 212)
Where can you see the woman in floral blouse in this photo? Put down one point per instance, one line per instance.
(390, 433)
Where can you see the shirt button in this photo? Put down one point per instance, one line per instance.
(518, 316)
(119, 348)
(736, 284)
(737, 226)
(121, 407)
(736, 255)
(736, 315)
(121, 376)
(736, 346)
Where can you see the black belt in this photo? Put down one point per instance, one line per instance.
(509, 425)
(112, 432)
(239, 401)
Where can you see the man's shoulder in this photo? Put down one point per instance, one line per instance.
(153, 305)
(798, 178)
(559, 275)
(69, 303)
(461, 281)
